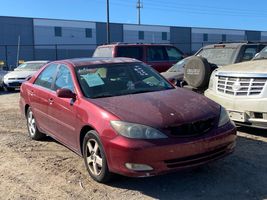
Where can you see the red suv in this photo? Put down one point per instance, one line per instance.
(159, 56)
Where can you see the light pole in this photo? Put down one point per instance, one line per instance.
(108, 30)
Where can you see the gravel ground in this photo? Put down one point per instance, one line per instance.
(47, 170)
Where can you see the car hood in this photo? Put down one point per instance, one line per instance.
(19, 74)
(160, 109)
(254, 66)
(172, 75)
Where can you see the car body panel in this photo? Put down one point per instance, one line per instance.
(14, 79)
(164, 106)
(65, 118)
(249, 110)
(160, 66)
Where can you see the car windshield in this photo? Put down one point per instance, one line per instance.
(261, 55)
(119, 79)
(219, 56)
(30, 66)
(178, 66)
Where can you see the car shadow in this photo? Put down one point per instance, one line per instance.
(253, 131)
(242, 175)
(2, 92)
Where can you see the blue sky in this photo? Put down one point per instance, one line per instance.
(234, 14)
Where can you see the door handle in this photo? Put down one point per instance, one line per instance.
(51, 100)
(31, 92)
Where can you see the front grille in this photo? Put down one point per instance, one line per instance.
(198, 158)
(240, 86)
(191, 129)
(16, 78)
(14, 84)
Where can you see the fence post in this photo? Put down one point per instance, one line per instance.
(56, 52)
(6, 56)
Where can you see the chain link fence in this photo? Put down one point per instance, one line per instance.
(12, 55)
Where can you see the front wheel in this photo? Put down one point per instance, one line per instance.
(94, 158)
(34, 133)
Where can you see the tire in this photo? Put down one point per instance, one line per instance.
(33, 131)
(197, 72)
(95, 158)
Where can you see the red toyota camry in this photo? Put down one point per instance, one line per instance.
(124, 118)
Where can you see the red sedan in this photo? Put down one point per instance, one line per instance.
(124, 118)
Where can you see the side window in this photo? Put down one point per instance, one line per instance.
(249, 53)
(130, 52)
(156, 53)
(63, 79)
(173, 54)
(45, 79)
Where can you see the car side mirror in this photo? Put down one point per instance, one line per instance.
(66, 93)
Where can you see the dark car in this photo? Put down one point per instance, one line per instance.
(195, 70)
(159, 56)
(124, 118)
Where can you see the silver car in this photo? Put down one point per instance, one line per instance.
(23, 72)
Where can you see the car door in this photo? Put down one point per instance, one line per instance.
(62, 111)
(38, 96)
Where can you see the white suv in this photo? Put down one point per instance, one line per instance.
(242, 89)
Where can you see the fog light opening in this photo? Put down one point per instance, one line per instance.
(138, 167)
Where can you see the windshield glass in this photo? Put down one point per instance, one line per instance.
(119, 79)
(178, 66)
(30, 66)
(261, 55)
(218, 56)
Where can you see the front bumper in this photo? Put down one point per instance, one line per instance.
(13, 83)
(244, 111)
(171, 154)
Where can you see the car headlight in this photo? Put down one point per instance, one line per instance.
(136, 131)
(212, 80)
(224, 118)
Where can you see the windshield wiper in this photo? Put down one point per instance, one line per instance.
(103, 95)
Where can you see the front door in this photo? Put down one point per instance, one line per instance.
(62, 111)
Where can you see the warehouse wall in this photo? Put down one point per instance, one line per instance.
(71, 40)
(205, 36)
(11, 29)
(116, 33)
(146, 34)
(181, 38)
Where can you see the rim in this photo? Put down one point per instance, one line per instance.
(31, 123)
(93, 157)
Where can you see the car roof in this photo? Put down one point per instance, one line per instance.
(37, 61)
(132, 44)
(76, 62)
(233, 45)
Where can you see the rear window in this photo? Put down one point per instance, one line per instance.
(130, 52)
(104, 52)
(218, 56)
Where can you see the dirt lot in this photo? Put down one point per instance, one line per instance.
(48, 170)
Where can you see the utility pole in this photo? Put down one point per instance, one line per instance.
(108, 30)
(139, 5)
(18, 51)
